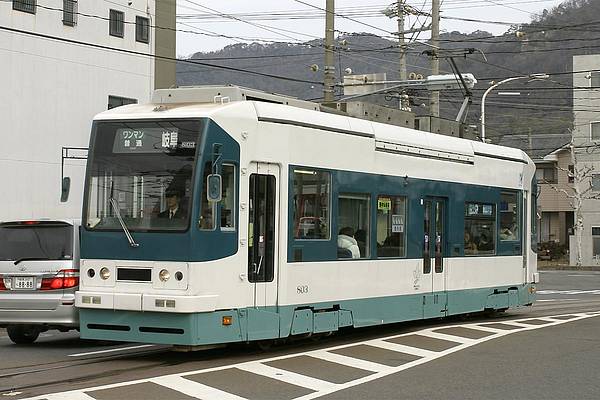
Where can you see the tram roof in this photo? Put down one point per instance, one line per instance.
(280, 113)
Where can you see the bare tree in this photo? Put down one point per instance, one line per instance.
(582, 190)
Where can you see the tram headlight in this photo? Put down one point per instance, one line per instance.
(179, 276)
(164, 275)
(104, 273)
(91, 273)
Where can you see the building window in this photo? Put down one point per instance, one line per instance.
(228, 193)
(595, 79)
(353, 222)
(595, 241)
(391, 226)
(595, 131)
(27, 6)
(142, 29)
(116, 101)
(117, 23)
(509, 217)
(546, 174)
(571, 174)
(311, 191)
(596, 182)
(70, 12)
(480, 228)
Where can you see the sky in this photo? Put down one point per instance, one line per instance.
(203, 23)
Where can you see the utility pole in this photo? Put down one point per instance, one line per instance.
(329, 78)
(434, 98)
(402, 68)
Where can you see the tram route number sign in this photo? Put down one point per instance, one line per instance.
(384, 204)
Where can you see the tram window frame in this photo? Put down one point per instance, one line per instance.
(229, 193)
(473, 215)
(356, 224)
(388, 225)
(205, 205)
(510, 231)
(324, 217)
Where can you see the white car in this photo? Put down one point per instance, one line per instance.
(39, 274)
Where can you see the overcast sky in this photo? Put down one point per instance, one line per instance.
(202, 17)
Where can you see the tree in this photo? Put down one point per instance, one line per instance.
(581, 192)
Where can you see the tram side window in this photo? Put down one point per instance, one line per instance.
(391, 223)
(509, 217)
(480, 228)
(353, 222)
(311, 204)
(207, 209)
(227, 203)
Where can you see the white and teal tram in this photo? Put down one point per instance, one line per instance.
(220, 214)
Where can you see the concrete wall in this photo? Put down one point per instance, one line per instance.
(51, 91)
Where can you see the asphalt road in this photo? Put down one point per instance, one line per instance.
(552, 352)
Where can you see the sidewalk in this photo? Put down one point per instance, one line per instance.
(556, 265)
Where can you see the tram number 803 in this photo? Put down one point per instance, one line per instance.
(302, 289)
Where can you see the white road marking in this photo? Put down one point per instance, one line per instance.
(382, 344)
(349, 361)
(178, 383)
(555, 300)
(75, 395)
(193, 389)
(571, 292)
(292, 378)
(112, 350)
(447, 337)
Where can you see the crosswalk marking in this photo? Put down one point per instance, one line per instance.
(193, 389)
(350, 361)
(400, 348)
(320, 387)
(568, 292)
(447, 337)
(288, 377)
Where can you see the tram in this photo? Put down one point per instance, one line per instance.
(222, 214)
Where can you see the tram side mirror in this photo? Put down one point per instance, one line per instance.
(65, 188)
(214, 188)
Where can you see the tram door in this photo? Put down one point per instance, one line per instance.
(263, 230)
(434, 250)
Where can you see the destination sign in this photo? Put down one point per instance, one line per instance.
(150, 140)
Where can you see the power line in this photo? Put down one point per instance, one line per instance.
(137, 53)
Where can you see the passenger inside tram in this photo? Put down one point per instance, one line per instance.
(346, 241)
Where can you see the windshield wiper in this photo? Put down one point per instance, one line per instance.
(132, 242)
(31, 259)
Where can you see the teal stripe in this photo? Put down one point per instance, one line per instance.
(279, 322)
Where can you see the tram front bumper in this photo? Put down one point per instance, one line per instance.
(146, 302)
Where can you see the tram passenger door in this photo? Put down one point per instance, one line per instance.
(434, 264)
(263, 233)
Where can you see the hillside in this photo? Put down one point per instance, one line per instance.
(547, 44)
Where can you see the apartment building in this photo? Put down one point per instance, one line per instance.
(64, 61)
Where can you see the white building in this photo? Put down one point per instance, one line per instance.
(586, 103)
(52, 87)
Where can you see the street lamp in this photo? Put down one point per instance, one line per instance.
(531, 77)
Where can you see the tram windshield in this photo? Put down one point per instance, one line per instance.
(140, 174)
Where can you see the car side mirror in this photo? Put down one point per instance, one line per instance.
(65, 188)
(214, 188)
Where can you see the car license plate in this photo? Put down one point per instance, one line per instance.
(23, 282)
